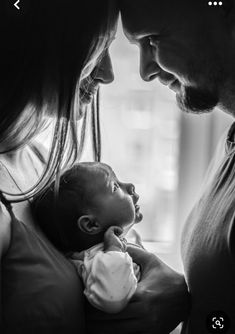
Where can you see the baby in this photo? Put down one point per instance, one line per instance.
(91, 212)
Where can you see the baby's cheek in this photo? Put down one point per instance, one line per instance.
(129, 212)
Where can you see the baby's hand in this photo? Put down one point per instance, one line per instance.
(112, 241)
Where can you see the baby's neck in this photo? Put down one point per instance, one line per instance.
(88, 241)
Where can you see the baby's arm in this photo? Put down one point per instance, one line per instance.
(109, 276)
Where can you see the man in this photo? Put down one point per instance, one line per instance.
(189, 46)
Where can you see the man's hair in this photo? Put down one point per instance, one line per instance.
(57, 213)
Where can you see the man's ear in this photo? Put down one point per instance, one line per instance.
(89, 224)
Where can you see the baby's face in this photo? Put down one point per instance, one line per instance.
(115, 202)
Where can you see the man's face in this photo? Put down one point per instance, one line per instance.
(114, 202)
(184, 44)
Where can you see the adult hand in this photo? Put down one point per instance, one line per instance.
(159, 304)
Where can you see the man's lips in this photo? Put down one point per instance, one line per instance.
(172, 84)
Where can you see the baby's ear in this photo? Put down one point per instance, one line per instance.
(88, 224)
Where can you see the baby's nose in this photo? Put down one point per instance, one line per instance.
(131, 188)
(131, 191)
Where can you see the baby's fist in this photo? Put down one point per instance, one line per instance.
(112, 241)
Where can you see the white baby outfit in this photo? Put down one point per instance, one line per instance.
(110, 278)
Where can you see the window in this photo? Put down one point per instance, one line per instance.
(148, 141)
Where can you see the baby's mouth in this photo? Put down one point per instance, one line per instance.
(137, 207)
(139, 215)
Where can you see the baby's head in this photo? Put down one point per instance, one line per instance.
(90, 200)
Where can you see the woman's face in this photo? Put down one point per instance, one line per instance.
(99, 73)
(99, 70)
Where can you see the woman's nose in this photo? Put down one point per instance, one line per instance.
(104, 72)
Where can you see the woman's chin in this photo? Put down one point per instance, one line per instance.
(86, 99)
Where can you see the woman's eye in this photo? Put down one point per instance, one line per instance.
(115, 187)
(153, 40)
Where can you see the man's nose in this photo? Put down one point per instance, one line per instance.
(149, 68)
(104, 72)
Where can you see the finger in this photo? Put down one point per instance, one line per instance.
(141, 256)
(113, 231)
(118, 230)
(77, 255)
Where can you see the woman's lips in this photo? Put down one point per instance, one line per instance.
(172, 83)
(86, 94)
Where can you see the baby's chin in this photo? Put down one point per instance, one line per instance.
(138, 217)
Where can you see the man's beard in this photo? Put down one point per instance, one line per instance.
(197, 100)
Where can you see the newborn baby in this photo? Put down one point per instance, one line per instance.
(86, 220)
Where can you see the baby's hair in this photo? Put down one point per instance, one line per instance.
(57, 215)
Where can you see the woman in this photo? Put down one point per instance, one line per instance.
(54, 55)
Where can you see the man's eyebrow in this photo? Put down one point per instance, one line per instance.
(137, 36)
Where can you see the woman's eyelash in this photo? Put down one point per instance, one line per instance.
(115, 186)
(153, 40)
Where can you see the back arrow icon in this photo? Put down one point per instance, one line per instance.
(16, 4)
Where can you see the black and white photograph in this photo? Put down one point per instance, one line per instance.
(117, 166)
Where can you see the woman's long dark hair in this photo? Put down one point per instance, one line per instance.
(45, 48)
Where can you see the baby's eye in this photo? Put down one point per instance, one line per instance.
(115, 187)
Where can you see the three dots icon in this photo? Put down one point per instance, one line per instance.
(215, 3)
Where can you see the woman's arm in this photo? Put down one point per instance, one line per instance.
(160, 303)
(5, 236)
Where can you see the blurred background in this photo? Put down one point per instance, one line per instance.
(164, 152)
(148, 141)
